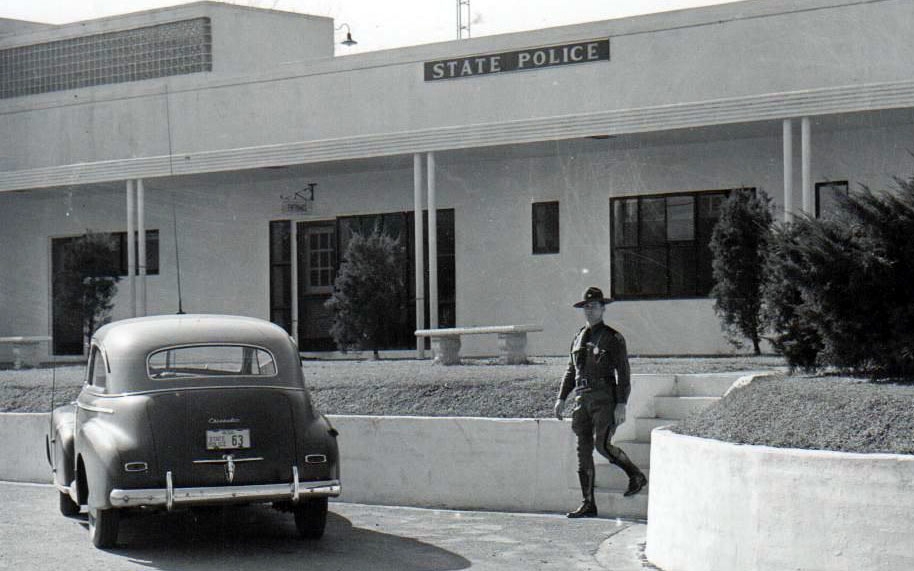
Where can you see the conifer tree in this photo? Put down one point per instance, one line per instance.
(739, 245)
(366, 294)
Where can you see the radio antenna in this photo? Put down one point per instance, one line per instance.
(174, 221)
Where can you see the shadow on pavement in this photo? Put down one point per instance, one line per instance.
(257, 537)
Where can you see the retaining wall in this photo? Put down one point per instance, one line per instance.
(481, 463)
(721, 506)
(22, 447)
(455, 462)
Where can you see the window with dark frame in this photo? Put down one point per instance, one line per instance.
(152, 252)
(827, 196)
(661, 244)
(546, 227)
(281, 274)
(115, 265)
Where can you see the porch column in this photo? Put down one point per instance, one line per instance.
(131, 254)
(432, 246)
(808, 199)
(788, 169)
(293, 236)
(419, 253)
(141, 242)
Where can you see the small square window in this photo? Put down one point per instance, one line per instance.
(545, 227)
(827, 197)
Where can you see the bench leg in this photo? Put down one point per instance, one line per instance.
(26, 355)
(446, 350)
(512, 348)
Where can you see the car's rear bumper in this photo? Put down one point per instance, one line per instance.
(171, 496)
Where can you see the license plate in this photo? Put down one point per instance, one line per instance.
(228, 439)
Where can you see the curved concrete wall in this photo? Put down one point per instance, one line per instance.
(715, 505)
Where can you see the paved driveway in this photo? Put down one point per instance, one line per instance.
(33, 535)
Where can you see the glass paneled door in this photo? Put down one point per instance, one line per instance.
(317, 259)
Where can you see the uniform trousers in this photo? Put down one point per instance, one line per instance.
(593, 422)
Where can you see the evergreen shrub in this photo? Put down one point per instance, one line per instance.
(366, 299)
(739, 245)
(841, 288)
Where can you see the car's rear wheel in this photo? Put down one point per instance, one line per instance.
(311, 518)
(103, 527)
(68, 507)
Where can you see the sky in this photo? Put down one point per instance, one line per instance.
(376, 24)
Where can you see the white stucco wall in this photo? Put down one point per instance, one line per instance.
(223, 229)
(721, 506)
(710, 54)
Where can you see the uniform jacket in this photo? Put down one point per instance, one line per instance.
(598, 362)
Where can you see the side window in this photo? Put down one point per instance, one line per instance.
(660, 244)
(545, 227)
(827, 196)
(97, 372)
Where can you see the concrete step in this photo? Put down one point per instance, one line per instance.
(679, 407)
(644, 426)
(612, 504)
(610, 478)
(706, 384)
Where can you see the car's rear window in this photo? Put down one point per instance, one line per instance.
(210, 361)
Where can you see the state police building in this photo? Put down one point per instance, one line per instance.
(516, 169)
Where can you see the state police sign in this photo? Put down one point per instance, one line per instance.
(521, 60)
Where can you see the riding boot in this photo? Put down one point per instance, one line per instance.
(636, 478)
(588, 507)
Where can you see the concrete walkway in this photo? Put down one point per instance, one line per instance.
(33, 535)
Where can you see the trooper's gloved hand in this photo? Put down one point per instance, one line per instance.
(619, 414)
(559, 407)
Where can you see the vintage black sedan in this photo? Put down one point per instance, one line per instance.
(192, 410)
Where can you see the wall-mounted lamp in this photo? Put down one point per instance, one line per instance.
(348, 41)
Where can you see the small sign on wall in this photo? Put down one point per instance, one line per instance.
(300, 201)
(520, 60)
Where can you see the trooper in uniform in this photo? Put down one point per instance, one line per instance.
(598, 374)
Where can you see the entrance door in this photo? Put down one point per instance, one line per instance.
(316, 273)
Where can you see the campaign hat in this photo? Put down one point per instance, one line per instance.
(593, 294)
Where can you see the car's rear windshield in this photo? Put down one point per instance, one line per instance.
(210, 361)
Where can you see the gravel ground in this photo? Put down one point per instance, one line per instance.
(819, 413)
(479, 387)
(826, 412)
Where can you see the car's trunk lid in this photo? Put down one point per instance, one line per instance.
(224, 436)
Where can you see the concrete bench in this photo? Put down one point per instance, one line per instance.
(512, 342)
(25, 350)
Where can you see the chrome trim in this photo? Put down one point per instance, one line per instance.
(206, 388)
(91, 408)
(136, 467)
(169, 492)
(225, 460)
(170, 497)
(296, 491)
(69, 490)
(316, 459)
